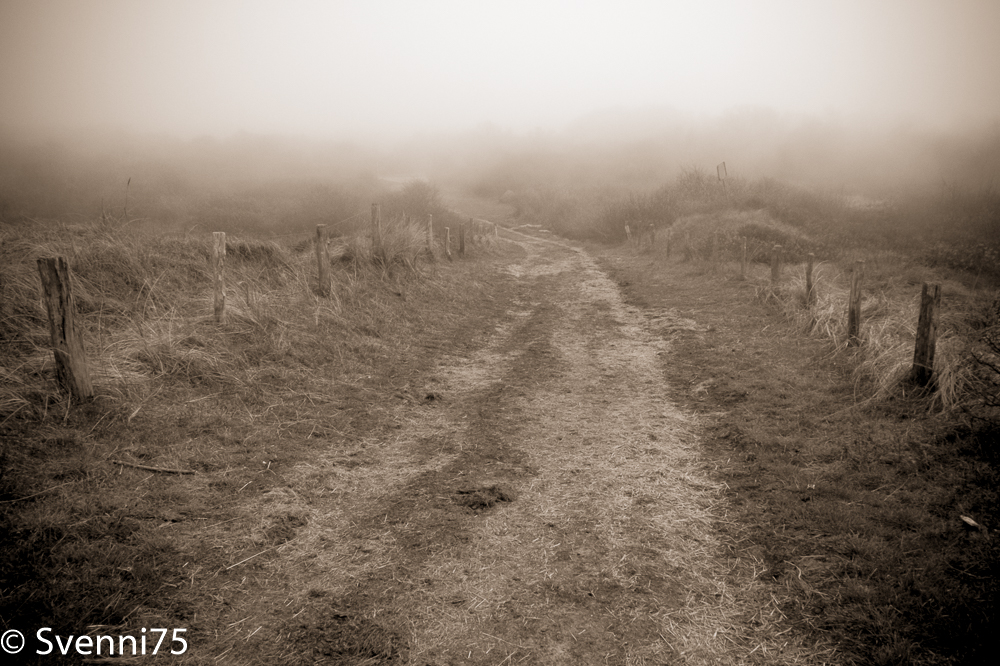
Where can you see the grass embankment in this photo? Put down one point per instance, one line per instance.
(948, 227)
(92, 545)
(851, 483)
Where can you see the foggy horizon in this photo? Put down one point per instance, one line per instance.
(394, 70)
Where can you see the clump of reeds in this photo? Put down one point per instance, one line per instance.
(889, 313)
(394, 242)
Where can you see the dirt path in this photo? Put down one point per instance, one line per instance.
(542, 503)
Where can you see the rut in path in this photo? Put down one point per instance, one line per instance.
(594, 540)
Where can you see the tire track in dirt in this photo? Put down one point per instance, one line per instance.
(605, 555)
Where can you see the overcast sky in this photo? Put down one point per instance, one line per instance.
(342, 69)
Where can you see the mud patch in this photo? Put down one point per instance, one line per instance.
(335, 638)
(480, 499)
(277, 529)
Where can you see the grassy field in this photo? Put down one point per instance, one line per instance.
(112, 510)
(850, 497)
(169, 494)
(853, 485)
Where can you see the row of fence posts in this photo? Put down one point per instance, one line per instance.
(922, 370)
(72, 372)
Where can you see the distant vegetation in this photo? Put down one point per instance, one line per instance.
(929, 211)
(929, 194)
(950, 227)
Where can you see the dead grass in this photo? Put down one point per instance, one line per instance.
(337, 442)
(891, 284)
(847, 487)
(91, 543)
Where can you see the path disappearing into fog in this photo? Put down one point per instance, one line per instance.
(543, 502)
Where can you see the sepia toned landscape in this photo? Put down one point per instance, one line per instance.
(602, 382)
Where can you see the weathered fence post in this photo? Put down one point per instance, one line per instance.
(923, 352)
(854, 306)
(810, 293)
(628, 234)
(219, 274)
(775, 265)
(67, 343)
(322, 261)
(447, 242)
(743, 260)
(3, 287)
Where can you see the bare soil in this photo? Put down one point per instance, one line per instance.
(537, 499)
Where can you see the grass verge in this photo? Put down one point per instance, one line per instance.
(848, 496)
(100, 533)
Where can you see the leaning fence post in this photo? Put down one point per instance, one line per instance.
(854, 306)
(447, 242)
(219, 274)
(3, 295)
(923, 352)
(322, 261)
(775, 264)
(67, 342)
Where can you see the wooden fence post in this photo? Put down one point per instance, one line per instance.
(219, 274)
(3, 287)
(775, 265)
(923, 352)
(628, 234)
(669, 234)
(322, 261)
(854, 306)
(810, 292)
(447, 242)
(67, 342)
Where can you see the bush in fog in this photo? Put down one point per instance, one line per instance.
(416, 200)
(658, 208)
